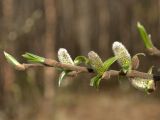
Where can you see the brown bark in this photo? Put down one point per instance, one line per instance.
(49, 48)
(8, 72)
(79, 69)
(104, 18)
(83, 25)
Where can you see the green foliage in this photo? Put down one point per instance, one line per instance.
(33, 58)
(105, 66)
(108, 63)
(81, 59)
(145, 37)
(62, 77)
(11, 59)
(96, 80)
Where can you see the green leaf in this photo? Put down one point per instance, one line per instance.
(108, 63)
(62, 77)
(11, 59)
(145, 37)
(96, 80)
(33, 58)
(81, 59)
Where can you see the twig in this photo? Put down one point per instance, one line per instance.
(131, 74)
(79, 69)
(154, 51)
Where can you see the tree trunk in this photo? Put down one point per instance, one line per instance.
(49, 49)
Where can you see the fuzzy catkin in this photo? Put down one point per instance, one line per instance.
(147, 85)
(143, 84)
(95, 61)
(64, 56)
(120, 51)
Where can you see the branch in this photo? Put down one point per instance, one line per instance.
(53, 63)
(79, 69)
(131, 74)
(153, 51)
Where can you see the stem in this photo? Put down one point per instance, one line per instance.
(79, 69)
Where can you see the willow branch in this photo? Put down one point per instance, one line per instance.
(131, 74)
(153, 51)
(79, 69)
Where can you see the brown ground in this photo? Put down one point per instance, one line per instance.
(109, 106)
(96, 105)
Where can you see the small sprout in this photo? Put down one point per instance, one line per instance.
(146, 85)
(108, 63)
(95, 81)
(124, 58)
(33, 58)
(11, 59)
(64, 56)
(95, 61)
(62, 77)
(81, 59)
(135, 60)
(145, 37)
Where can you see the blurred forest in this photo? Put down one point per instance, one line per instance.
(42, 27)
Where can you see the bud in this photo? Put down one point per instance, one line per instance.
(64, 56)
(33, 58)
(124, 58)
(11, 59)
(95, 61)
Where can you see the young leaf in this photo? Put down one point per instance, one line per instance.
(33, 58)
(81, 59)
(105, 66)
(108, 63)
(124, 58)
(95, 81)
(62, 77)
(11, 59)
(145, 37)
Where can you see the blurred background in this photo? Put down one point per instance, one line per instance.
(42, 27)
